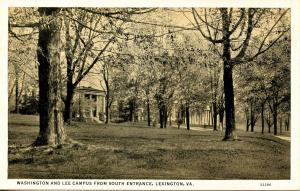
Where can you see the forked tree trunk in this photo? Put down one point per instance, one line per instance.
(50, 103)
(228, 81)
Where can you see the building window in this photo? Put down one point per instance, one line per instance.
(94, 97)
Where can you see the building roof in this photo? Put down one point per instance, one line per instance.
(89, 90)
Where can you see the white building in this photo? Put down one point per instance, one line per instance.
(89, 104)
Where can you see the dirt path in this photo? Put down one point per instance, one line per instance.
(286, 138)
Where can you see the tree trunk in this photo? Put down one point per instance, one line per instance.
(17, 92)
(280, 124)
(221, 115)
(148, 112)
(165, 116)
(161, 117)
(68, 102)
(252, 118)
(50, 104)
(229, 101)
(262, 118)
(287, 122)
(275, 119)
(228, 81)
(187, 113)
(247, 123)
(107, 108)
(215, 116)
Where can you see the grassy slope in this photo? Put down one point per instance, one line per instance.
(150, 153)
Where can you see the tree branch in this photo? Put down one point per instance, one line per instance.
(214, 41)
(242, 52)
(93, 63)
(242, 16)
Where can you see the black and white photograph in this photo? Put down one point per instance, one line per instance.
(150, 97)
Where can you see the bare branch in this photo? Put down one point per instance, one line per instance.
(260, 50)
(214, 41)
(108, 14)
(270, 31)
(93, 63)
(242, 16)
(245, 44)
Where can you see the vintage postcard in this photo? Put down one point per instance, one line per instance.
(150, 96)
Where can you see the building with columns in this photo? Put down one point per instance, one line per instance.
(89, 104)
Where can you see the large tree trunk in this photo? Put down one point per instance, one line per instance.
(229, 101)
(50, 103)
(68, 102)
(228, 81)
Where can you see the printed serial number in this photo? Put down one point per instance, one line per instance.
(265, 184)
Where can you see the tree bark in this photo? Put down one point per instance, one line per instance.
(68, 102)
(50, 104)
(229, 100)
(228, 80)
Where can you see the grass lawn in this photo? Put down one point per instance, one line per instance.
(133, 152)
